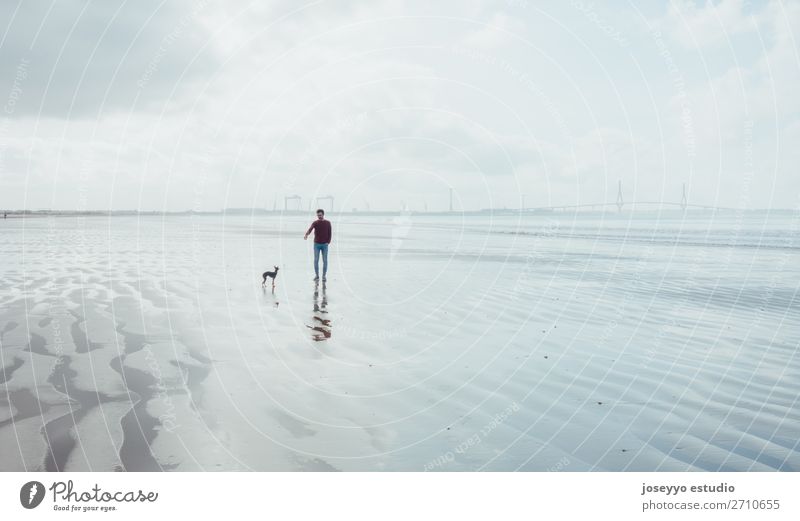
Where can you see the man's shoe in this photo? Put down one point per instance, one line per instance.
(316, 279)
(324, 279)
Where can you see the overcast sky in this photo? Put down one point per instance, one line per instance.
(204, 105)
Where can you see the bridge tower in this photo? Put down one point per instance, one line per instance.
(326, 198)
(620, 202)
(292, 198)
(684, 201)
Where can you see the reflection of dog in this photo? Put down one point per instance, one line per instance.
(271, 274)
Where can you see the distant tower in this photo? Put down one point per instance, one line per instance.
(522, 202)
(326, 198)
(292, 198)
(451, 199)
(684, 201)
(619, 196)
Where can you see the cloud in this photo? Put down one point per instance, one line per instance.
(709, 24)
(386, 100)
(84, 58)
(499, 30)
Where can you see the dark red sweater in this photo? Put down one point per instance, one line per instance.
(322, 231)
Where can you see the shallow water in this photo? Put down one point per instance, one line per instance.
(553, 342)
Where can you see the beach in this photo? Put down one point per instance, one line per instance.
(563, 342)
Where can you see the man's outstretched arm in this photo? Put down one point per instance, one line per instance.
(308, 231)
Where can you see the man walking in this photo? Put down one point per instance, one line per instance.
(322, 237)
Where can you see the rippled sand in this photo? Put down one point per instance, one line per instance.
(438, 343)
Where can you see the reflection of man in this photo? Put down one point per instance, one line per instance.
(319, 307)
(402, 224)
(322, 238)
(320, 326)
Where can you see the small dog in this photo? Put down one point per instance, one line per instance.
(271, 274)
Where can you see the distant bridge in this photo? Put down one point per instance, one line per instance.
(620, 203)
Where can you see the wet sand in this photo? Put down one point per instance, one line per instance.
(438, 343)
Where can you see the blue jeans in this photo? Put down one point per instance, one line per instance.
(324, 249)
